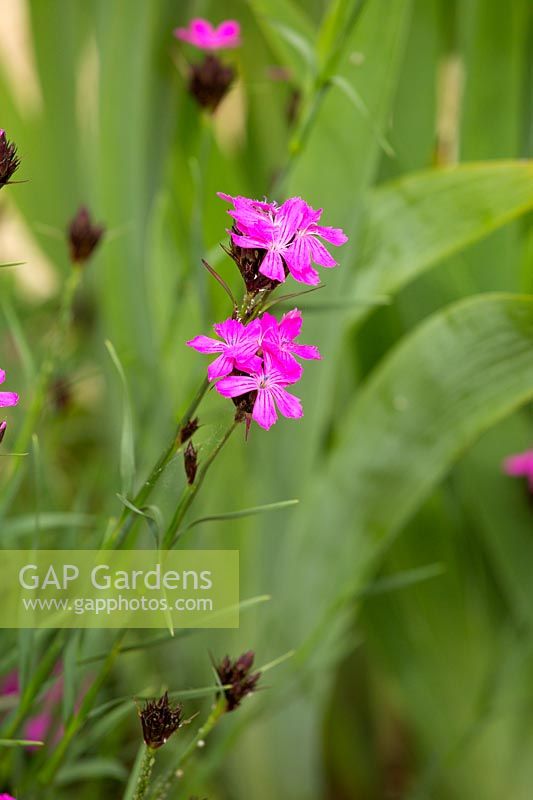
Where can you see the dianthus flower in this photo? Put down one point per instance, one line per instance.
(520, 466)
(289, 235)
(237, 349)
(202, 34)
(7, 398)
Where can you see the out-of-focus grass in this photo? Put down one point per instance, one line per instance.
(417, 689)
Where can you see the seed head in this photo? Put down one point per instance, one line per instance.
(209, 81)
(237, 676)
(83, 236)
(3, 426)
(159, 721)
(188, 430)
(9, 161)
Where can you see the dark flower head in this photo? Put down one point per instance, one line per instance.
(159, 721)
(190, 459)
(83, 236)
(237, 676)
(9, 161)
(209, 81)
(3, 426)
(248, 261)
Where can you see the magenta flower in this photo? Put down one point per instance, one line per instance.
(289, 234)
(7, 398)
(237, 350)
(39, 726)
(202, 34)
(270, 385)
(278, 340)
(520, 466)
(6, 797)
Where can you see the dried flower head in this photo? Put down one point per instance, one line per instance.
(209, 81)
(83, 236)
(237, 676)
(190, 460)
(9, 161)
(159, 720)
(3, 426)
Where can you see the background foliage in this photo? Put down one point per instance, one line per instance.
(402, 578)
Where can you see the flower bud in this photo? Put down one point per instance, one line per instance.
(190, 458)
(236, 677)
(210, 81)
(83, 236)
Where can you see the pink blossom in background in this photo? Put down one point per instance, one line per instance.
(520, 466)
(270, 385)
(39, 726)
(279, 341)
(203, 35)
(6, 797)
(7, 398)
(289, 234)
(237, 350)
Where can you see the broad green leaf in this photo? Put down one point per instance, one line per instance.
(453, 378)
(411, 224)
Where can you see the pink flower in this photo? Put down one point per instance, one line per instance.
(202, 34)
(270, 385)
(289, 234)
(237, 350)
(278, 341)
(520, 466)
(6, 797)
(7, 398)
(38, 727)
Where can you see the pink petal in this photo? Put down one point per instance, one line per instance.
(519, 465)
(37, 727)
(264, 412)
(251, 242)
(229, 32)
(289, 218)
(235, 385)
(291, 324)
(252, 364)
(298, 261)
(2, 376)
(230, 329)
(319, 253)
(272, 267)
(289, 405)
(220, 367)
(286, 365)
(334, 236)
(8, 399)
(306, 351)
(204, 344)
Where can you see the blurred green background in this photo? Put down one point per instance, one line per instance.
(402, 579)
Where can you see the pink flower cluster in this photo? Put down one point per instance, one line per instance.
(289, 233)
(257, 361)
(520, 466)
(41, 724)
(203, 35)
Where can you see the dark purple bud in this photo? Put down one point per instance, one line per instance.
(237, 677)
(248, 261)
(3, 426)
(188, 430)
(190, 458)
(83, 236)
(159, 721)
(9, 161)
(209, 81)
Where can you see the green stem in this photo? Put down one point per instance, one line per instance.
(127, 519)
(191, 490)
(145, 773)
(41, 389)
(49, 771)
(165, 783)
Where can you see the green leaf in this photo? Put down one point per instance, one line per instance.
(48, 520)
(20, 743)
(413, 223)
(127, 447)
(245, 512)
(453, 378)
(92, 769)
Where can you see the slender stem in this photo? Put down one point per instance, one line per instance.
(145, 773)
(191, 490)
(41, 388)
(77, 720)
(165, 783)
(127, 519)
